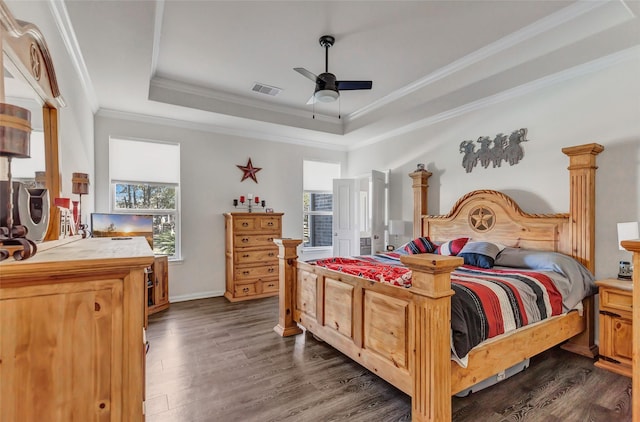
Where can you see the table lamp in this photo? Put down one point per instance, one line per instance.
(626, 231)
(15, 134)
(396, 228)
(80, 186)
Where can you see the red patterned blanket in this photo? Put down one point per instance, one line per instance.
(486, 303)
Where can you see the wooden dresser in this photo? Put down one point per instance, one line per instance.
(72, 338)
(615, 325)
(251, 257)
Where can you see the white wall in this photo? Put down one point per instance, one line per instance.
(210, 181)
(602, 107)
(75, 130)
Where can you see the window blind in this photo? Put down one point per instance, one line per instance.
(144, 161)
(318, 176)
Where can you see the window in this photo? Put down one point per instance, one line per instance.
(145, 179)
(317, 201)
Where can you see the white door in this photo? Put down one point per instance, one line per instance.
(378, 210)
(346, 231)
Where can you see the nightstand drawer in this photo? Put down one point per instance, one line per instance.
(616, 300)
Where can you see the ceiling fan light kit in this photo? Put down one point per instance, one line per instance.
(327, 87)
(326, 95)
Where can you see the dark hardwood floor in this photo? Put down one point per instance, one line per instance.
(211, 360)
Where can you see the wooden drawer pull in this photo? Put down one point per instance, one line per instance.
(245, 224)
(246, 255)
(245, 290)
(271, 254)
(270, 239)
(271, 270)
(246, 272)
(245, 239)
(270, 223)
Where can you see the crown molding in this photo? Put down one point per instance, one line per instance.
(157, 33)
(68, 35)
(527, 88)
(527, 33)
(222, 130)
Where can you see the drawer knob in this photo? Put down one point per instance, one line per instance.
(271, 285)
(270, 239)
(245, 290)
(246, 255)
(245, 224)
(245, 272)
(271, 254)
(271, 270)
(245, 239)
(270, 223)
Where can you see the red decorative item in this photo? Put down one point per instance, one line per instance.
(257, 200)
(75, 212)
(242, 199)
(249, 171)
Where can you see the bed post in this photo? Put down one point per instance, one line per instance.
(420, 187)
(430, 335)
(582, 210)
(634, 246)
(287, 256)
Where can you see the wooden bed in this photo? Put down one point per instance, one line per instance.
(403, 335)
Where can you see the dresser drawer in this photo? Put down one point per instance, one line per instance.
(252, 273)
(253, 240)
(270, 224)
(254, 224)
(245, 289)
(616, 300)
(252, 256)
(270, 286)
(245, 224)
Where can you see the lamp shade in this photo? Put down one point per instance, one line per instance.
(396, 227)
(15, 131)
(80, 183)
(627, 231)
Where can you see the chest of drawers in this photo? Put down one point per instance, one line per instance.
(251, 257)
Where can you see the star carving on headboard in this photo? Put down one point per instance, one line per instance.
(249, 171)
(482, 219)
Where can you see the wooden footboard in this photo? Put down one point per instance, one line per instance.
(403, 335)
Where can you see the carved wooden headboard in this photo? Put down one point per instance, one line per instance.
(491, 215)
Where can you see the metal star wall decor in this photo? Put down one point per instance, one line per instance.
(249, 171)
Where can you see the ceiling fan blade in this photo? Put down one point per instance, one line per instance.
(304, 72)
(352, 85)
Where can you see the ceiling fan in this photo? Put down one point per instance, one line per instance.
(327, 87)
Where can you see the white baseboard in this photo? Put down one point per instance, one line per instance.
(194, 296)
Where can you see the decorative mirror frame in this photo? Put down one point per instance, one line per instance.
(24, 45)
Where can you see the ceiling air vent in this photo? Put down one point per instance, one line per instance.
(266, 89)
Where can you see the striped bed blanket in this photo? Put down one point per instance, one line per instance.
(486, 303)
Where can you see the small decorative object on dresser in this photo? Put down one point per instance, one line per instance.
(615, 325)
(251, 256)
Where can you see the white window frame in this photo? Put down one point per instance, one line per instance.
(310, 213)
(318, 187)
(177, 256)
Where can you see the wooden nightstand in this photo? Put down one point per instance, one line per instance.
(615, 325)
